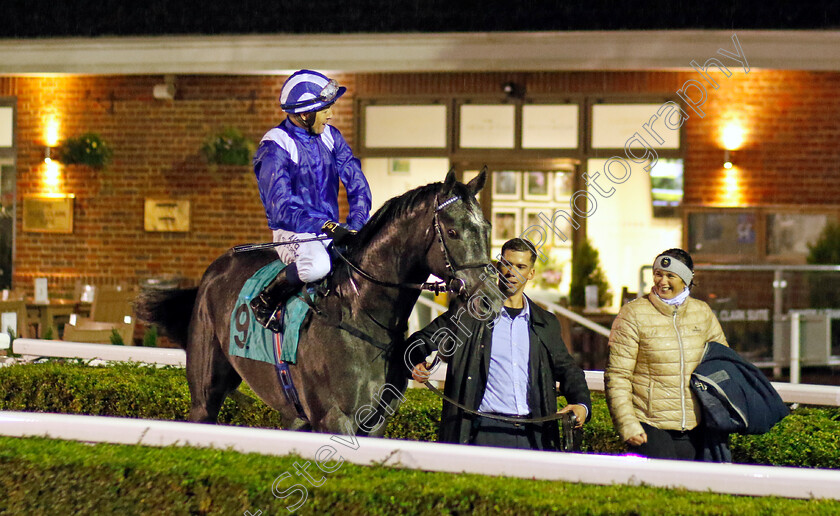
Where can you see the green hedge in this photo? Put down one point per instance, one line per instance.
(123, 390)
(809, 437)
(51, 477)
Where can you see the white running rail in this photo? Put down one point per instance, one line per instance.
(33, 348)
(734, 479)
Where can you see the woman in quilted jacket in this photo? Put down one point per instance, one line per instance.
(655, 344)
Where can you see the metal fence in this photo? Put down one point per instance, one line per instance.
(766, 310)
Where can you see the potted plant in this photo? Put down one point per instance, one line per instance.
(586, 270)
(88, 149)
(228, 147)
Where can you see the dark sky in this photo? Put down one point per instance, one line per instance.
(86, 18)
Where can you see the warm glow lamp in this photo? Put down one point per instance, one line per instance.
(733, 138)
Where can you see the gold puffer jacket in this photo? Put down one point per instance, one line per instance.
(653, 350)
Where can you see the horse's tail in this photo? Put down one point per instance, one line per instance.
(169, 310)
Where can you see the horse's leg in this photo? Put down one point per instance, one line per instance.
(337, 422)
(210, 375)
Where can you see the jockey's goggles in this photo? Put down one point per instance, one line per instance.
(327, 96)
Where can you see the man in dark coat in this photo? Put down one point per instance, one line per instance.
(502, 361)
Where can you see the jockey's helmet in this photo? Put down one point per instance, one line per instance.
(306, 91)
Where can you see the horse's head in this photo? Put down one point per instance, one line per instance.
(460, 253)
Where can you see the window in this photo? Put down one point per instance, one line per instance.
(550, 126)
(613, 125)
(405, 126)
(722, 233)
(487, 126)
(790, 234)
(6, 126)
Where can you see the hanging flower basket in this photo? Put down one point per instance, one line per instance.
(228, 147)
(88, 149)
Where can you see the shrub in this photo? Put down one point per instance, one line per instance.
(824, 286)
(43, 476)
(150, 337)
(809, 437)
(115, 338)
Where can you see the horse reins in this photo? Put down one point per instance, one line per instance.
(455, 284)
(244, 248)
(498, 417)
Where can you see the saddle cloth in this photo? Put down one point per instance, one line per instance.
(248, 339)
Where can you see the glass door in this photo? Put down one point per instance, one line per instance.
(531, 201)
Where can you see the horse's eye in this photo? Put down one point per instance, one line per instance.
(452, 233)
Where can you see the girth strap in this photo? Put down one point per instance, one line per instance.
(289, 389)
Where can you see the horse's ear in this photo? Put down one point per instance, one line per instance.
(477, 183)
(450, 178)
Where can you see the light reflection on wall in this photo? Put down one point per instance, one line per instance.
(732, 194)
(733, 135)
(51, 122)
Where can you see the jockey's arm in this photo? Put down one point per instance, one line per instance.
(273, 169)
(355, 183)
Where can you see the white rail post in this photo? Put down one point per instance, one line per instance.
(794, 347)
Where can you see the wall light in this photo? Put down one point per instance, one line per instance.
(727, 159)
(49, 153)
(733, 138)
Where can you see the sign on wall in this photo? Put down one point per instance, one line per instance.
(48, 214)
(167, 215)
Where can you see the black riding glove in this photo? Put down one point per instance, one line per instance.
(337, 232)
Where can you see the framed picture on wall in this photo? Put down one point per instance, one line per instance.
(563, 183)
(538, 185)
(531, 218)
(399, 166)
(506, 225)
(506, 185)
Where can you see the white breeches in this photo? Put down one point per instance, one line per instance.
(312, 259)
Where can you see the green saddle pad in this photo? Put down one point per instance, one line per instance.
(248, 339)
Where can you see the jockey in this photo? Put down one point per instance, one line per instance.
(298, 166)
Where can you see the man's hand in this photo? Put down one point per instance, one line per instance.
(336, 231)
(420, 374)
(579, 411)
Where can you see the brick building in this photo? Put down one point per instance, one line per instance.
(783, 187)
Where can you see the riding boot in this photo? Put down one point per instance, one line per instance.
(281, 288)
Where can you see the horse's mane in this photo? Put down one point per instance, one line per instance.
(395, 208)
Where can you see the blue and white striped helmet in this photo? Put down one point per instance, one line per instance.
(307, 90)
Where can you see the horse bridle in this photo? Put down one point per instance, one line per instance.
(451, 269)
(454, 284)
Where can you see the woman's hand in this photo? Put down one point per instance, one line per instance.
(638, 440)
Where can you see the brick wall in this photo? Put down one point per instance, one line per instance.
(156, 155)
(790, 154)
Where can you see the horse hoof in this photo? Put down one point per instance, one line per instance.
(300, 425)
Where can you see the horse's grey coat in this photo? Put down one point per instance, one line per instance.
(337, 374)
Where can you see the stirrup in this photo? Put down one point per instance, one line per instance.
(266, 319)
(273, 323)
